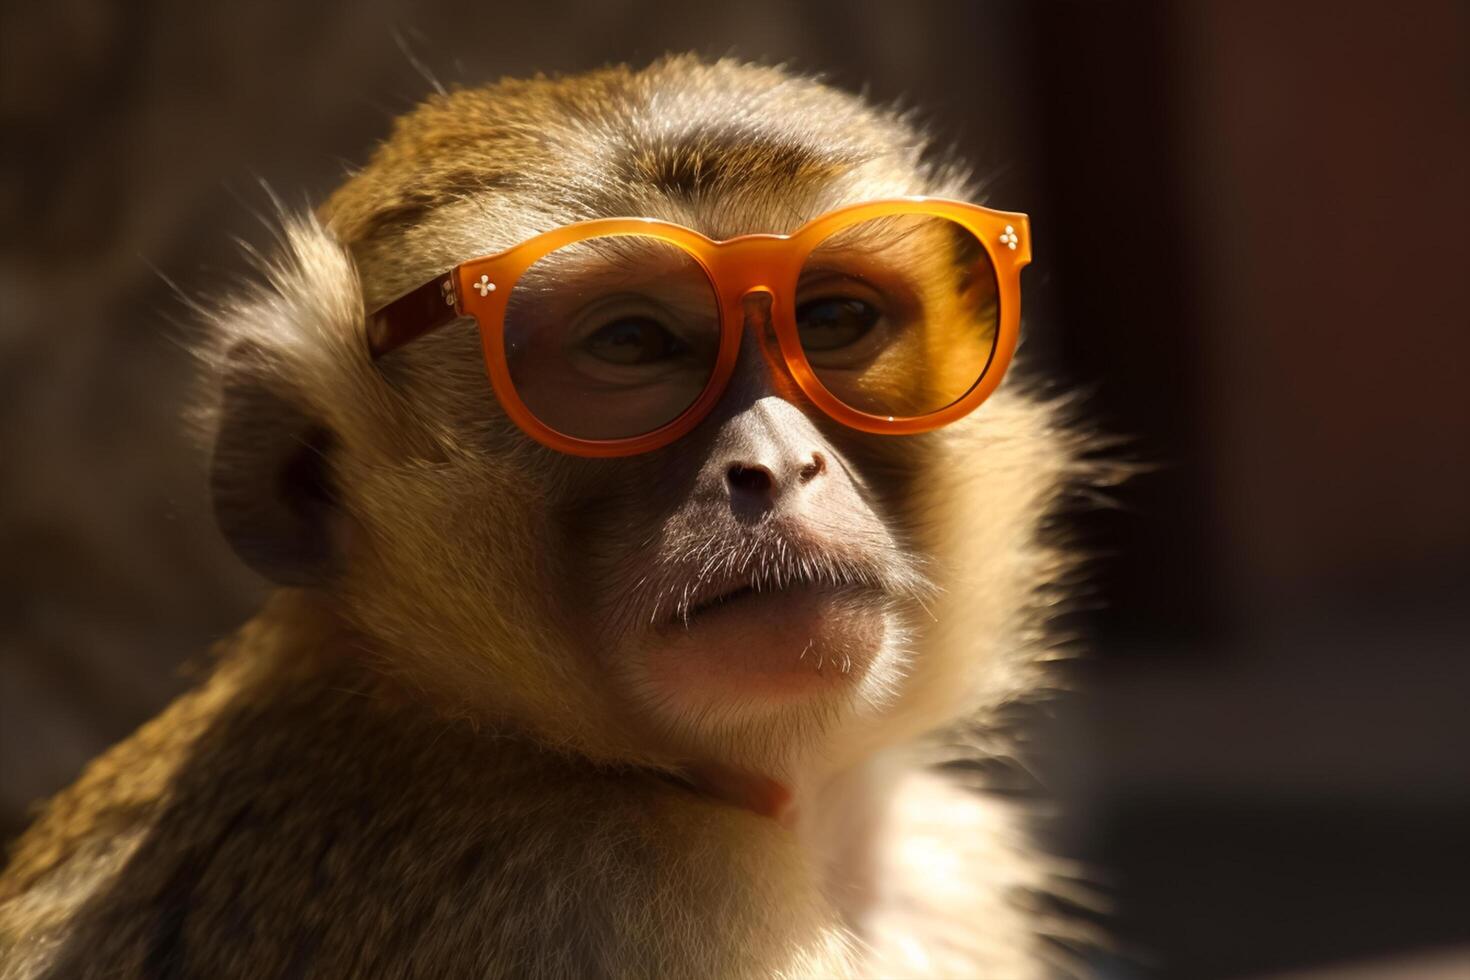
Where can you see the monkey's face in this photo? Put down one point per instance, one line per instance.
(748, 595)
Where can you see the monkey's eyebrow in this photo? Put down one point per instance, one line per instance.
(894, 233)
(410, 316)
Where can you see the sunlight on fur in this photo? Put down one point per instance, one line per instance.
(514, 713)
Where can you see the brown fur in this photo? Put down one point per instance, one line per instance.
(408, 768)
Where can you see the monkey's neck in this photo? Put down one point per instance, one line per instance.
(837, 817)
(840, 818)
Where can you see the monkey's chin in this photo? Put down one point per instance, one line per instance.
(757, 649)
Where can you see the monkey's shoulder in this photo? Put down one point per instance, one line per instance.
(288, 820)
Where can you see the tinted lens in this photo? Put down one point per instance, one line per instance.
(611, 337)
(898, 316)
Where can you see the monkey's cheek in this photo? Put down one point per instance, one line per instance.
(767, 648)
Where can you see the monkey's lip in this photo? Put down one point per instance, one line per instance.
(733, 594)
(774, 644)
(728, 596)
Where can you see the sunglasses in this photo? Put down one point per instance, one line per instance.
(616, 336)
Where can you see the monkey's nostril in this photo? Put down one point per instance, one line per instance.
(750, 479)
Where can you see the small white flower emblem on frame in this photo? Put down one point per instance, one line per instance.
(1008, 237)
(485, 286)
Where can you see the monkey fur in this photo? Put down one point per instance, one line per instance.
(409, 765)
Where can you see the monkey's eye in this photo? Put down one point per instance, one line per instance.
(633, 340)
(834, 322)
(843, 312)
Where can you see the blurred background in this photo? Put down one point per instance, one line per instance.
(1251, 238)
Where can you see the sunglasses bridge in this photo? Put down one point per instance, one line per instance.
(745, 265)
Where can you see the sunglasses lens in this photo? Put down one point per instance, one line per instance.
(609, 338)
(898, 316)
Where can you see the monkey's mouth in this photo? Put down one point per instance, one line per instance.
(761, 621)
(746, 595)
(722, 599)
(746, 638)
(732, 598)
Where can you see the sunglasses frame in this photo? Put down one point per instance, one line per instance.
(736, 268)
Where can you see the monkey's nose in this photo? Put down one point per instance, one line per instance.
(745, 478)
(759, 484)
(765, 456)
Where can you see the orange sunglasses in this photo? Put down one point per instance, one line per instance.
(616, 336)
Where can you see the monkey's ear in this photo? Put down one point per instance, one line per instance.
(271, 476)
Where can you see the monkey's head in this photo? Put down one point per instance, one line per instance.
(771, 589)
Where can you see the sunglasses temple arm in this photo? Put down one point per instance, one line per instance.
(415, 313)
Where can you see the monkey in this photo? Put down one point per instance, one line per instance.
(512, 711)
